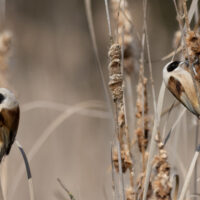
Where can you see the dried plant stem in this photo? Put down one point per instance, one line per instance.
(130, 103)
(98, 111)
(108, 18)
(189, 174)
(149, 55)
(186, 15)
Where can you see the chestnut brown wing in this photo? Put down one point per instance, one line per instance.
(11, 122)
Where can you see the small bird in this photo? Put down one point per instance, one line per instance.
(178, 80)
(9, 120)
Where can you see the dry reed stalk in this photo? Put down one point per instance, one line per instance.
(124, 30)
(121, 155)
(128, 40)
(116, 88)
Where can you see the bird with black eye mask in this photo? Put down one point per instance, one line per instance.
(179, 81)
(9, 120)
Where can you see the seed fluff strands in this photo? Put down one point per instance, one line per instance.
(161, 185)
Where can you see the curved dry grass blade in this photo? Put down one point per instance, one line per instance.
(167, 118)
(189, 174)
(28, 170)
(59, 120)
(48, 131)
(171, 54)
(66, 190)
(60, 107)
(174, 125)
(52, 105)
(153, 143)
(167, 110)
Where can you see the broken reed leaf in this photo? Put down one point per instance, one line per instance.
(28, 170)
(65, 188)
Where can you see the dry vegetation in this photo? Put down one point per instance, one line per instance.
(107, 129)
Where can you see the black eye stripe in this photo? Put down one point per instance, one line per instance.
(1, 98)
(173, 66)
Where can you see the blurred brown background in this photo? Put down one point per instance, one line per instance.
(53, 60)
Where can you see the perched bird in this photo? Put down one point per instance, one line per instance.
(9, 120)
(180, 83)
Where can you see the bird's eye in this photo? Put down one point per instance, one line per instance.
(173, 66)
(1, 98)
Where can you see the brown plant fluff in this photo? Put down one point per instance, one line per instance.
(123, 17)
(161, 184)
(130, 194)
(193, 46)
(125, 158)
(142, 129)
(5, 44)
